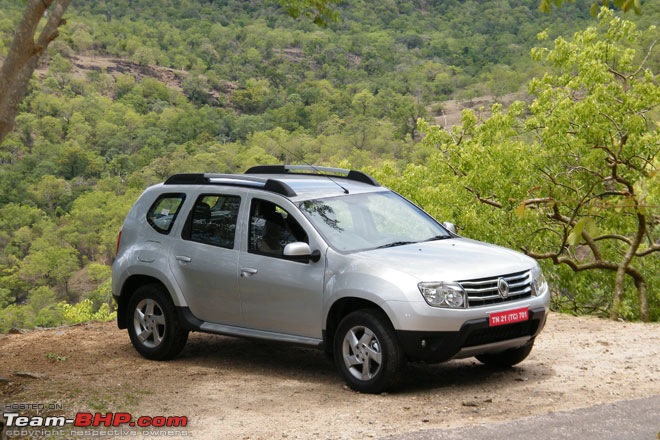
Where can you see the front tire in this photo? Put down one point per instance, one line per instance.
(508, 358)
(367, 353)
(153, 325)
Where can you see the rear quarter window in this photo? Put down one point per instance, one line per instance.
(164, 211)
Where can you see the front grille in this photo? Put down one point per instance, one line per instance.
(483, 291)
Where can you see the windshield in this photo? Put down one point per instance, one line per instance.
(369, 221)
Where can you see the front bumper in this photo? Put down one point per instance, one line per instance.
(474, 337)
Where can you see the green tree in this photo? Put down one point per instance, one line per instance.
(25, 52)
(321, 11)
(578, 170)
(94, 221)
(43, 304)
(50, 266)
(197, 89)
(50, 192)
(602, 152)
(625, 5)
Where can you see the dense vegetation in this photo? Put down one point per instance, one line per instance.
(571, 177)
(133, 91)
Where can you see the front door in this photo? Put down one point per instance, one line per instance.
(279, 295)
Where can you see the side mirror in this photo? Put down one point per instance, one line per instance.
(450, 227)
(300, 251)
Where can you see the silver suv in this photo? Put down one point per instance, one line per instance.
(322, 257)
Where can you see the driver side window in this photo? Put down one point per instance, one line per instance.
(272, 228)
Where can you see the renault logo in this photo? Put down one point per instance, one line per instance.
(503, 287)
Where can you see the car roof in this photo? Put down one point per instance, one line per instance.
(320, 186)
(297, 182)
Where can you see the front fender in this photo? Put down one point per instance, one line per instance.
(381, 289)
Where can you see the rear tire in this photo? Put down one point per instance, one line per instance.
(153, 324)
(367, 353)
(507, 358)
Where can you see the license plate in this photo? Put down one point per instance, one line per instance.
(509, 317)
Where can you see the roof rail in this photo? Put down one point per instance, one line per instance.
(358, 176)
(232, 180)
(186, 179)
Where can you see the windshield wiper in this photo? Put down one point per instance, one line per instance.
(439, 237)
(396, 243)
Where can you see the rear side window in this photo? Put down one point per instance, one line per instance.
(163, 212)
(212, 220)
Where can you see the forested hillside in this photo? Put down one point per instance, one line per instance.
(133, 91)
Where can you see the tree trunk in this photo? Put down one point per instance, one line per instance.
(624, 268)
(24, 54)
(642, 299)
(618, 293)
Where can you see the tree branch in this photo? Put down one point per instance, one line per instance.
(484, 200)
(23, 56)
(653, 248)
(619, 75)
(55, 20)
(646, 57)
(614, 237)
(557, 259)
(539, 201)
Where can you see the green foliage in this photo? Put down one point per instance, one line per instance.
(130, 94)
(49, 265)
(5, 298)
(43, 306)
(322, 12)
(54, 357)
(576, 167)
(15, 316)
(43, 310)
(84, 311)
(624, 5)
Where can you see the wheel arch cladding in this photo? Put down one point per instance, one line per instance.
(128, 289)
(339, 310)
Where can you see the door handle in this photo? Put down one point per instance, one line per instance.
(183, 258)
(248, 272)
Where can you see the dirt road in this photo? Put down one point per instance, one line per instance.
(232, 388)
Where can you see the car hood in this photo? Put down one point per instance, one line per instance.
(448, 260)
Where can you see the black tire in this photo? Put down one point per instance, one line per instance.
(367, 353)
(153, 325)
(508, 358)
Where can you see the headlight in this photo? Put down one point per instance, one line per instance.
(443, 294)
(539, 284)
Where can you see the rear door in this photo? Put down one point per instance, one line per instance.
(205, 260)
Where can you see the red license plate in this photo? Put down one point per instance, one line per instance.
(509, 317)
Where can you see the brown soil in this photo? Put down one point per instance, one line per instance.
(452, 109)
(81, 65)
(233, 388)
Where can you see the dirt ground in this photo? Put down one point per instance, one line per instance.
(241, 389)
